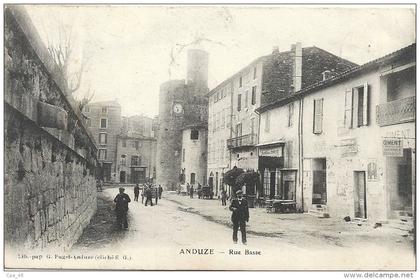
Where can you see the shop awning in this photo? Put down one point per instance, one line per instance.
(269, 144)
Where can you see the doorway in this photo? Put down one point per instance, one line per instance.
(400, 182)
(360, 206)
(122, 176)
(319, 192)
(272, 184)
(192, 178)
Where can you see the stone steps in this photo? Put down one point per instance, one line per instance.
(319, 210)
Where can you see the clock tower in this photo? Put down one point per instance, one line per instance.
(181, 103)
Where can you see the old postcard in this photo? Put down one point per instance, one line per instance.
(210, 137)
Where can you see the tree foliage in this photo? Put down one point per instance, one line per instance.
(62, 50)
(249, 179)
(231, 176)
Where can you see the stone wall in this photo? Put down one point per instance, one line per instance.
(50, 157)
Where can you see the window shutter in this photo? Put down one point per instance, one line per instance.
(355, 106)
(318, 113)
(321, 114)
(365, 104)
(348, 109)
(314, 117)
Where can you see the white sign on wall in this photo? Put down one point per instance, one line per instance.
(272, 152)
(392, 147)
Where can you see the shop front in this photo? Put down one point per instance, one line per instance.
(279, 183)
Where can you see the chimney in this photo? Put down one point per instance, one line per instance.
(275, 50)
(297, 66)
(326, 75)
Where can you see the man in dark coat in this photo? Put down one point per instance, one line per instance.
(121, 208)
(240, 215)
(149, 195)
(192, 191)
(136, 192)
(160, 191)
(224, 197)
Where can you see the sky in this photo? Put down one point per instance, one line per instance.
(128, 47)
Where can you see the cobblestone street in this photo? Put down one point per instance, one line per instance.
(159, 235)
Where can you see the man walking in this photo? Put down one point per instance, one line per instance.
(143, 193)
(136, 192)
(160, 191)
(149, 195)
(121, 208)
(191, 191)
(240, 215)
(224, 196)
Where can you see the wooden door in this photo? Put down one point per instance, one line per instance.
(360, 210)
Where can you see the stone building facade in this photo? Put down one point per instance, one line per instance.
(180, 104)
(355, 140)
(194, 155)
(219, 130)
(50, 156)
(136, 150)
(265, 80)
(104, 121)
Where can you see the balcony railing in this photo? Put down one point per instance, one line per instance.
(242, 141)
(396, 112)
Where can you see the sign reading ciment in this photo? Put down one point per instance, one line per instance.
(392, 147)
(271, 151)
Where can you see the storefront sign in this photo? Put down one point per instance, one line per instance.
(392, 147)
(138, 169)
(271, 152)
(348, 147)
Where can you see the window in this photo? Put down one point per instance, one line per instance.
(88, 122)
(135, 144)
(218, 96)
(104, 109)
(102, 154)
(291, 108)
(239, 130)
(194, 135)
(318, 111)
(183, 154)
(252, 126)
(239, 102)
(209, 152)
(214, 98)
(254, 95)
(104, 123)
(227, 117)
(222, 125)
(87, 109)
(246, 99)
(267, 122)
(123, 160)
(124, 143)
(135, 160)
(255, 72)
(103, 138)
(356, 110)
(240, 82)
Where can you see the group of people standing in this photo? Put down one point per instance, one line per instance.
(122, 199)
(238, 206)
(190, 190)
(149, 192)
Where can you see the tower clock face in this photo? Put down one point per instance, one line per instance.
(177, 108)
